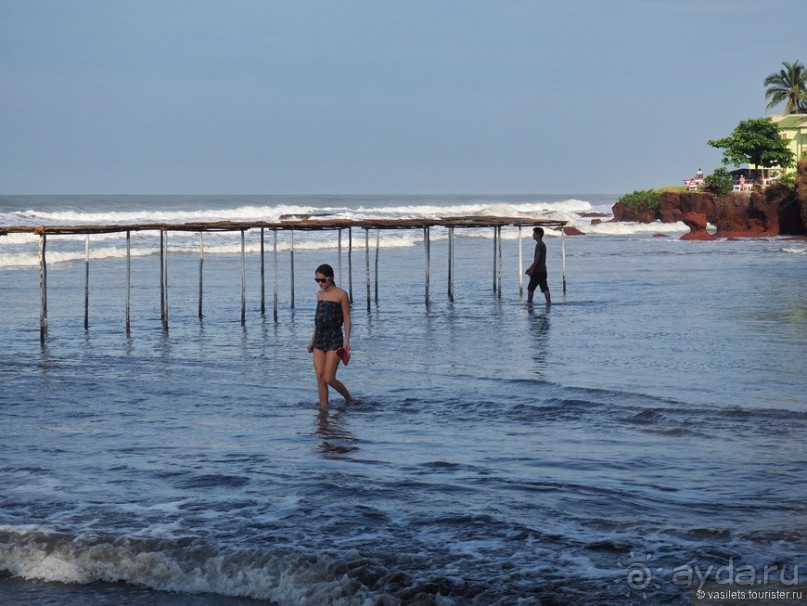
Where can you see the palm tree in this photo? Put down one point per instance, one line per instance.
(789, 85)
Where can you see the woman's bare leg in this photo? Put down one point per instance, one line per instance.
(331, 366)
(326, 364)
(319, 369)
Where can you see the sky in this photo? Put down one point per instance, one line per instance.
(379, 96)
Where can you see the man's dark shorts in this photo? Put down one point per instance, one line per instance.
(536, 280)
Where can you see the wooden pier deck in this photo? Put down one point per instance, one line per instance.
(290, 224)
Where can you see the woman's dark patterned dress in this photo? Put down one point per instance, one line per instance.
(328, 321)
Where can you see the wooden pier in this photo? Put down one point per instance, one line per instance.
(292, 225)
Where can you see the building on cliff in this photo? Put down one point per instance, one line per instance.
(794, 131)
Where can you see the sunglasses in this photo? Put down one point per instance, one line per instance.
(321, 280)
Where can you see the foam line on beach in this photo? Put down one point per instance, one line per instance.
(282, 575)
(277, 213)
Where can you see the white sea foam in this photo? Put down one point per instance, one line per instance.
(626, 229)
(285, 575)
(276, 213)
(245, 213)
(31, 259)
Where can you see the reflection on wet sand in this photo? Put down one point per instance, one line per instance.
(337, 440)
(539, 330)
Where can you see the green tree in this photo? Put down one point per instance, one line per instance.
(641, 200)
(756, 141)
(788, 85)
(719, 182)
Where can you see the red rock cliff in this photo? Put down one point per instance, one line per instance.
(777, 210)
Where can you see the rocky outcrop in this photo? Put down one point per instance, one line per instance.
(777, 210)
(696, 222)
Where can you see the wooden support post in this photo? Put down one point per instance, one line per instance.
(367, 263)
(243, 280)
(563, 255)
(501, 261)
(377, 247)
(164, 278)
(263, 276)
(427, 249)
(201, 273)
(451, 263)
(495, 244)
(339, 256)
(520, 265)
(43, 288)
(350, 262)
(128, 293)
(87, 282)
(274, 273)
(292, 268)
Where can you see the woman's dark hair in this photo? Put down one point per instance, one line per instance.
(326, 270)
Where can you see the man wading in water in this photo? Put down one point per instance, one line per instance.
(537, 271)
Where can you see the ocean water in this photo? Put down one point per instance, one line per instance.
(639, 440)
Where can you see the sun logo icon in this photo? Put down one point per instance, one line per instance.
(638, 575)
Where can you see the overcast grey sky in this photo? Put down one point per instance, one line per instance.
(379, 96)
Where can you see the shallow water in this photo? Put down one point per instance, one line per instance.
(648, 425)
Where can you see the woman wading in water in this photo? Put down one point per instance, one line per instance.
(333, 310)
